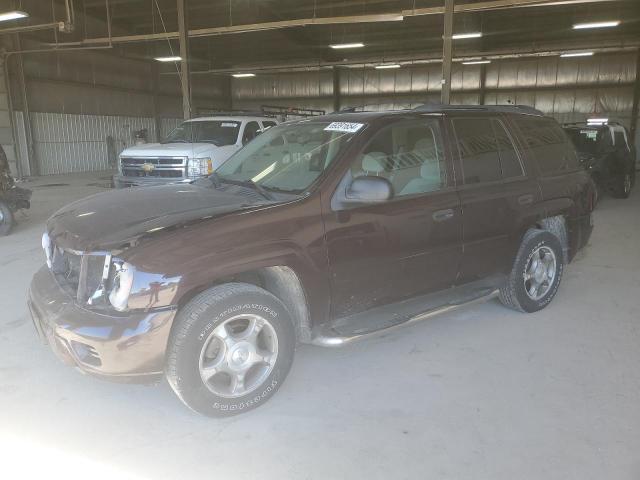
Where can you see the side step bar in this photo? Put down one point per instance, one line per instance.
(327, 336)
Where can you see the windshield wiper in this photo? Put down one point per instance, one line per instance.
(258, 188)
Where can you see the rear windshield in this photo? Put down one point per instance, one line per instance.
(217, 132)
(585, 139)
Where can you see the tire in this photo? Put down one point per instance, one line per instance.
(210, 349)
(6, 219)
(621, 185)
(515, 293)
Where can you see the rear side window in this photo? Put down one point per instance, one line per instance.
(267, 124)
(509, 158)
(478, 150)
(250, 132)
(619, 140)
(548, 144)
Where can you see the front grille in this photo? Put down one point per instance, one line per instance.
(154, 167)
(79, 275)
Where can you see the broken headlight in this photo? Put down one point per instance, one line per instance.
(121, 284)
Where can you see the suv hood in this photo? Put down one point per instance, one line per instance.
(169, 149)
(114, 219)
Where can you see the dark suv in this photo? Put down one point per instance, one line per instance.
(607, 152)
(319, 231)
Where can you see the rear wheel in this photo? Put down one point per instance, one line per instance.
(622, 184)
(6, 219)
(536, 273)
(230, 349)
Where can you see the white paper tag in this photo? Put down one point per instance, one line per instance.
(344, 127)
(228, 124)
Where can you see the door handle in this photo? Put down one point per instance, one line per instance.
(525, 199)
(442, 215)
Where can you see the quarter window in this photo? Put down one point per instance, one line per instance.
(478, 150)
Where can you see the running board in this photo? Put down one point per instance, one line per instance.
(336, 334)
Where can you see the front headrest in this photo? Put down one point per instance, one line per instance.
(430, 169)
(426, 143)
(373, 162)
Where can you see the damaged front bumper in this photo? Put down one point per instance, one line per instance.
(122, 347)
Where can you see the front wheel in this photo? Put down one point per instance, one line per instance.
(536, 273)
(6, 219)
(230, 350)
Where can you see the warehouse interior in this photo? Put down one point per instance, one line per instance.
(484, 393)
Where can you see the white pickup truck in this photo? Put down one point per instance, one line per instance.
(193, 150)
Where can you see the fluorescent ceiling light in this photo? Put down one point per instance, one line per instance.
(243, 75)
(338, 46)
(597, 121)
(387, 67)
(580, 26)
(12, 15)
(577, 54)
(476, 62)
(168, 59)
(460, 36)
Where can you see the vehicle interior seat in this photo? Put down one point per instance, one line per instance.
(424, 175)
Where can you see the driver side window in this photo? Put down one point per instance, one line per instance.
(250, 132)
(409, 154)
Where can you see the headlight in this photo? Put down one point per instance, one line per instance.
(121, 285)
(199, 167)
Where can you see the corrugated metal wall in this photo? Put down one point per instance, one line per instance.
(557, 86)
(66, 143)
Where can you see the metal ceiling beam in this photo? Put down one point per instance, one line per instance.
(497, 5)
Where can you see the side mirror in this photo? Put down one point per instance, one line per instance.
(368, 190)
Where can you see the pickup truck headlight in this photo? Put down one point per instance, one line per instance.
(121, 285)
(200, 167)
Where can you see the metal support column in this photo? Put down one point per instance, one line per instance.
(185, 79)
(636, 101)
(483, 82)
(447, 52)
(155, 76)
(32, 161)
(336, 89)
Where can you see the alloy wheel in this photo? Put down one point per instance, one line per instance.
(238, 355)
(540, 273)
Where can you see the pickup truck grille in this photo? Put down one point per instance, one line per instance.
(78, 274)
(159, 167)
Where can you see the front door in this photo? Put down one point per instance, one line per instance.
(385, 252)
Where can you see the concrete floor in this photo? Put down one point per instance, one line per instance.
(484, 393)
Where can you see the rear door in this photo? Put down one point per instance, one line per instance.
(385, 252)
(496, 194)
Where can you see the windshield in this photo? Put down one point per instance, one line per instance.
(288, 157)
(586, 140)
(218, 132)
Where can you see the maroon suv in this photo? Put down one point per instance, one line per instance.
(319, 231)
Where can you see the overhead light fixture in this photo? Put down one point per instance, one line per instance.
(243, 75)
(461, 36)
(388, 66)
(597, 121)
(168, 59)
(14, 15)
(580, 26)
(338, 46)
(476, 62)
(577, 54)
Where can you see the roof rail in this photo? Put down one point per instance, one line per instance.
(231, 113)
(438, 107)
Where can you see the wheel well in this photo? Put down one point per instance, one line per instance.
(558, 226)
(281, 281)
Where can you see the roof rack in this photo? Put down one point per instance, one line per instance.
(230, 113)
(438, 107)
(585, 123)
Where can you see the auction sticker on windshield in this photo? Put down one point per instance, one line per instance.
(344, 127)
(229, 124)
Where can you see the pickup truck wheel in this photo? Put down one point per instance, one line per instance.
(230, 349)
(536, 273)
(6, 219)
(622, 185)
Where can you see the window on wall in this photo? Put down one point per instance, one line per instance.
(510, 163)
(408, 154)
(548, 144)
(478, 150)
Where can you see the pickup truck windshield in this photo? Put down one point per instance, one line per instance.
(218, 132)
(586, 140)
(288, 157)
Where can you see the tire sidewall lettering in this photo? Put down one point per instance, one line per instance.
(235, 309)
